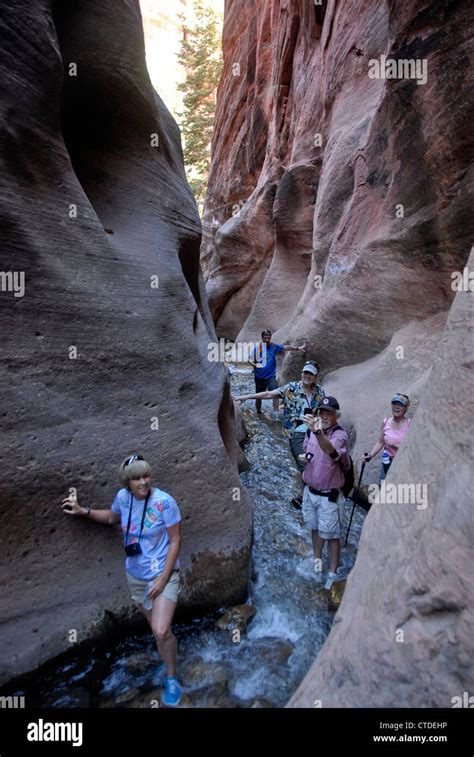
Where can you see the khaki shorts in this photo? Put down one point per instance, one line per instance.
(323, 516)
(139, 587)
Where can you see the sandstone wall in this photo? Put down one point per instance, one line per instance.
(414, 568)
(332, 211)
(81, 140)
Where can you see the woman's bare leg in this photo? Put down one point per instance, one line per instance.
(160, 619)
(146, 613)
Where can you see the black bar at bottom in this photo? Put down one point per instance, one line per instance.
(127, 731)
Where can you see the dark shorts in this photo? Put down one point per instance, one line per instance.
(265, 384)
(384, 469)
(296, 446)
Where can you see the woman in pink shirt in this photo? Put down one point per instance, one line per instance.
(392, 433)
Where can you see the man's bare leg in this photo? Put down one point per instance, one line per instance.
(334, 550)
(318, 545)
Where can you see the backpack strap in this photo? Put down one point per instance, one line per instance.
(339, 428)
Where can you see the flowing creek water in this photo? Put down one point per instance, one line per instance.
(293, 615)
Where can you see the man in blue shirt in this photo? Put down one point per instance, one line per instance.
(263, 359)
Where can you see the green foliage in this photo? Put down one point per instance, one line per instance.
(201, 57)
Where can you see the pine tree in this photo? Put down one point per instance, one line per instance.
(201, 57)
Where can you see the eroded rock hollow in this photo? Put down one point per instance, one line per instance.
(106, 351)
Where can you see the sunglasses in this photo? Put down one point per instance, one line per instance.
(132, 460)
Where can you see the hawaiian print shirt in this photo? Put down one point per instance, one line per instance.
(294, 400)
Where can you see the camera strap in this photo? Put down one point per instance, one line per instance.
(130, 517)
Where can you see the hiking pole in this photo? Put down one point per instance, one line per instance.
(354, 502)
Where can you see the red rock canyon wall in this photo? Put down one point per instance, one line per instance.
(320, 158)
(337, 212)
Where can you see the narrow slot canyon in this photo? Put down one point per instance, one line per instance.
(331, 227)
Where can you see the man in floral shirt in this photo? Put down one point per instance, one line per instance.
(299, 398)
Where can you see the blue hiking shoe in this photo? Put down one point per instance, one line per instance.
(172, 694)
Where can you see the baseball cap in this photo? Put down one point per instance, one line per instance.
(401, 398)
(329, 403)
(311, 368)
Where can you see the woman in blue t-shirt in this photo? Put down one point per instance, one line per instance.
(151, 527)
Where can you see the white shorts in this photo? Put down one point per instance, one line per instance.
(323, 516)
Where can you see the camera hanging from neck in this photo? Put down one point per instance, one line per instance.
(130, 517)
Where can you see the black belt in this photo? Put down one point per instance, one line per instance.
(316, 491)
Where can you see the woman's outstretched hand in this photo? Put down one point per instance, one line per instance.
(71, 506)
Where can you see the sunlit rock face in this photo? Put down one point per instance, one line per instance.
(163, 35)
(105, 350)
(163, 30)
(352, 190)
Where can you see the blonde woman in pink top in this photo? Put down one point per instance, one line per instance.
(392, 433)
